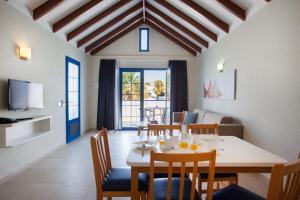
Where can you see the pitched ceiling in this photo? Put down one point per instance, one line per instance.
(93, 25)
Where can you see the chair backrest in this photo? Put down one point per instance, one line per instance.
(182, 160)
(159, 129)
(285, 182)
(203, 128)
(101, 157)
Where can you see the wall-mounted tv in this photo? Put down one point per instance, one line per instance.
(25, 95)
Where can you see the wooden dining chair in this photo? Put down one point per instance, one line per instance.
(232, 178)
(203, 128)
(182, 187)
(284, 185)
(160, 129)
(112, 182)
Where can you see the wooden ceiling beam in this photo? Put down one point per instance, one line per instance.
(190, 20)
(177, 25)
(171, 37)
(45, 8)
(109, 24)
(118, 36)
(173, 32)
(208, 15)
(113, 32)
(234, 9)
(95, 19)
(144, 10)
(73, 15)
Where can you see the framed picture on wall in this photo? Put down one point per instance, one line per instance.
(221, 86)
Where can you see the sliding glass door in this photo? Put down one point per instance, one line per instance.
(144, 96)
(156, 96)
(131, 96)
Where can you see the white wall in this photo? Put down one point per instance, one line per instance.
(265, 51)
(47, 66)
(129, 46)
(126, 51)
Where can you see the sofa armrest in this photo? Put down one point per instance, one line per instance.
(231, 130)
(176, 117)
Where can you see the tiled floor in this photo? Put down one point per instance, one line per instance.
(68, 173)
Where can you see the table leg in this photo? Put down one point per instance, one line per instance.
(134, 183)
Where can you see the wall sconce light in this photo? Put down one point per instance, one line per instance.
(221, 67)
(24, 53)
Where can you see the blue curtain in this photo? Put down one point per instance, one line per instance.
(179, 86)
(106, 95)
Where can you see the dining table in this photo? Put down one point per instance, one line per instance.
(233, 155)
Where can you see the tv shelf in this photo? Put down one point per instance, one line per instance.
(24, 131)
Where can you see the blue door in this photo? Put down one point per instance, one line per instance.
(72, 99)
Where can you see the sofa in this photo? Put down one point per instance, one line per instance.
(227, 126)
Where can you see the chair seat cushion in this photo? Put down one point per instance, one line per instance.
(161, 189)
(119, 179)
(235, 192)
(218, 175)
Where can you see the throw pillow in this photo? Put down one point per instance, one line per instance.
(190, 118)
(182, 117)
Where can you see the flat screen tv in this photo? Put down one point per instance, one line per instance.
(25, 95)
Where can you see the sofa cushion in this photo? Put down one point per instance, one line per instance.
(212, 118)
(190, 117)
(182, 117)
(200, 117)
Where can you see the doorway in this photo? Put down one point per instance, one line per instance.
(72, 99)
(144, 96)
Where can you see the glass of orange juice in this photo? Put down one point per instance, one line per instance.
(161, 141)
(183, 145)
(194, 147)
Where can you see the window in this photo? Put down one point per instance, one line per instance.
(144, 39)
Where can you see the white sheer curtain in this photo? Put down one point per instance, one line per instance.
(117, 97)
